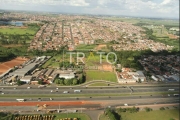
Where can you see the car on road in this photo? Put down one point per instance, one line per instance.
(51, 90)
(50, 99)
(66, 92)
(28, 87)
(77, 90)
(15, 88)
(125, 104)
(170, 89)
(2, 93)
(2, 88)
(41, 86)
(57, 88)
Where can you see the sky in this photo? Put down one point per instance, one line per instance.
(138, 8)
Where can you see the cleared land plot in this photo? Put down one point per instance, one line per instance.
(153, 115)
(100, 75)
(10, 64)
(81, 116)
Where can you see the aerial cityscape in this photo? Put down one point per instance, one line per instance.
(89, 60)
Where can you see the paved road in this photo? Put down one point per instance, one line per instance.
(89, 98)
(100, 90)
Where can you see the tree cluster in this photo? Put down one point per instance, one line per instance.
(73, 81)
(131, 110)
(148, 109)
(112, 115)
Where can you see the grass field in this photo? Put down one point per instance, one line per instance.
(100, 84)
(100, 75)
(147, 21)
(55, 60)
(16, 30)
(81, 116)
(89, 60)
(85, 47)
(94, 60)
(153, 115)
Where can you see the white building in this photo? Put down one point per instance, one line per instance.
(26, 79)
(139, 75)
(154, 78)
(175, 77)
(67, 75)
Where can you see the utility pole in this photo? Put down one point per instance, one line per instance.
(59, 108)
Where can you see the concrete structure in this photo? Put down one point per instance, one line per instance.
(160, 77)
(67, 75)
(154, 78)
(23, 71)
(139, 76)
(175, 77)
(26, 79)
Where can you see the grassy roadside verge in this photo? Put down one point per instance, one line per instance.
(87, 95)
(81, 116)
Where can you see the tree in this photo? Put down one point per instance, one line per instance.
(148, 109)
(75, 82)
(20, 82)
(112, 114)
(139, 80)
(68, 81)
(57, 81)
(40, 82)
(161, 108)
(61, 81)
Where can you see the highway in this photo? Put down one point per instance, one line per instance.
(93, 98)
(100, 90)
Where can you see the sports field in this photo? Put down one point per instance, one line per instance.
(100, 75)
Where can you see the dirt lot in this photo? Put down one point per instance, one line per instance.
(106, 67)
(10, 64)
(99, 47)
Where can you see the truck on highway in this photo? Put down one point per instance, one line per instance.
(41, 86)
(125, 104)
(170, 89)
(77, 90)
(20, 100)
(176, 95)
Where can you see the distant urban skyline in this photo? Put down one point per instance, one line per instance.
(136, 8)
